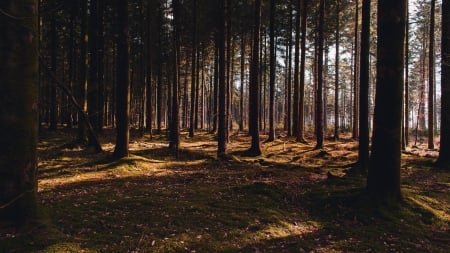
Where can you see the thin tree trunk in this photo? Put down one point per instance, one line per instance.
(431, 73)
(272, 73)
(255, 148)
(222, 127)
(241, 97)
(174, 137)
(193, 70)
(301, 109)
(355, 130)
(336, 72)
(320, 73)
(363, 150)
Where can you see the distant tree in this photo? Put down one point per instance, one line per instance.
(444, 152)
(19, 110)
(255, 148)
(383, 180)
(123, 82)
(356, 75)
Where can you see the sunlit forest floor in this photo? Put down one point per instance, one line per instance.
(290, 199)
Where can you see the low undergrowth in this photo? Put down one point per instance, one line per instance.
(291, 199)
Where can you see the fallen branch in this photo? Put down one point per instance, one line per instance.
(91, 134)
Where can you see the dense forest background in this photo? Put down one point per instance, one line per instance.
(265, 97)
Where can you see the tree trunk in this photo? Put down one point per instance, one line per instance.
(383, 180)
(336, 73)
(356, 76)
(363, 150)
(174, 138)
(193, 70)
(431, 73)
(241, 97)
(19, 115)
(289, 75)
(320, 73)
(406, 92)
(101, 65)
(301, 109)
(82, 89)
(295, 106)
(53, 94)
(123, 82)
(444, 152)
(222, 127)
(272, 73)
(93, 88)
(255, 148)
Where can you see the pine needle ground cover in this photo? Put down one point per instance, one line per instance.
(290, 199)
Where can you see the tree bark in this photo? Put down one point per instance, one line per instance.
(255, 148)
(123, 83)
(336, 72)
(363, 150)
(320, 73)
(222, 127)
(431, 73)
(444, 152)
(301, 109)
(383, 180)
(19, 111)
(272, 73)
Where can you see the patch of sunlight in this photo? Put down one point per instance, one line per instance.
(66, 248)
(287, 229)
(427, 203)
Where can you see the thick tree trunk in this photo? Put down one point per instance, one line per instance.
(123, 82)
(444, 152)
(82, 88)
(295, 106)
(241, 97)
(383, 180)
(93, 89)
(19, 110)
(355, 118)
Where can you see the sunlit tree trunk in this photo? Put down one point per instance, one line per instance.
(19, 110)
(295, 102)
(356, 76)
(444, 152)
(123, 82)
(383, 180)
(93, 89)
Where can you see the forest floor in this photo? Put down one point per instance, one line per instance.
(291, 199)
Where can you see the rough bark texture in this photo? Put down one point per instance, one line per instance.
(383, 181)
(174, 137)
(444, 153)
(301, 109)
(336, 73)
(123, 82)
(18, 109)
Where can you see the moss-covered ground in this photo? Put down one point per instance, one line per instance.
(290, 199)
